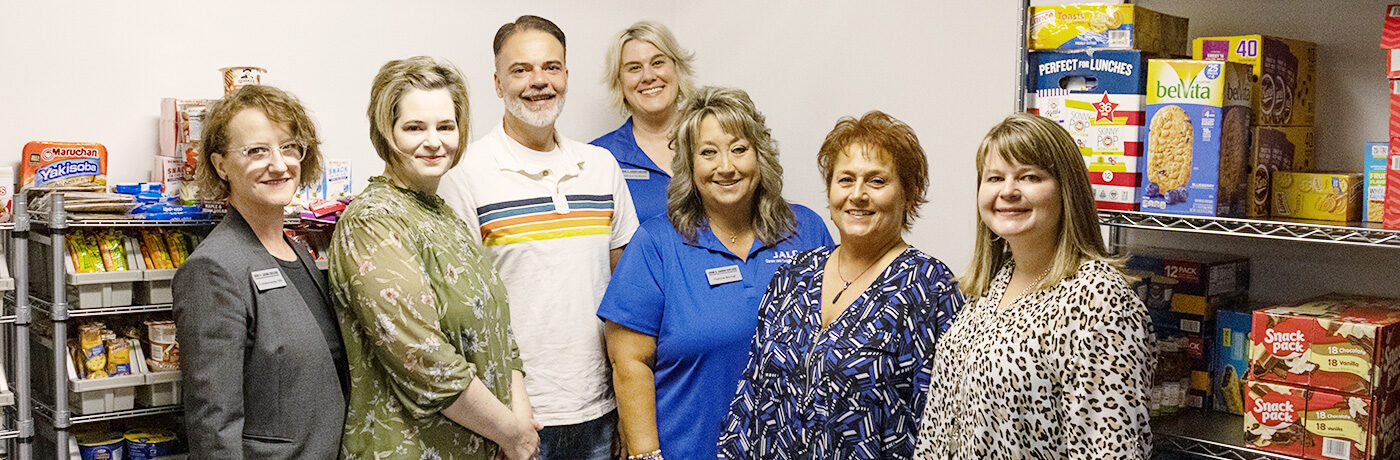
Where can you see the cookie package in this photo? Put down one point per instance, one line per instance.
(1348, 344)
(1318, 196)
(1197, 137)
(1124, 27)
(1097, 96)
(1319, 424)
(1273, 149)
(1284, 74)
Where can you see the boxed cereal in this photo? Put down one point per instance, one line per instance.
(1320, 424)
(1097, 96)
(1273, 418)
(1275, 148)
(1230, 368)
(1197, 137)
(1374, 161)
(1205, 282)
(1319, 196)
(1284, 74)
(63, 164)
(1343, 343)
(1123, 27)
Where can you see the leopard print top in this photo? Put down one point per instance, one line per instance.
(1061, 373)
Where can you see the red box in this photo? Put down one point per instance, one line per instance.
(1346, 344)
(1319, 424)
(1273, 417)
(1390, 41)
(1391, 213)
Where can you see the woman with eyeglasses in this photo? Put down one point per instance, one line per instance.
(264, 369)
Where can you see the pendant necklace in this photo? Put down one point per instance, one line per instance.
(1028, 287)
(862, 273)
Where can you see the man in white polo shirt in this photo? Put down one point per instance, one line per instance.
(555, 214)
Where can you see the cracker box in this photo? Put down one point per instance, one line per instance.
(63, 164)
(336, 181)
(1284, 73)
(1274, 148)
(1124, 27)
(1273, 417)
(1230, 368)
(1197, 138)
(1374, 160)
(1097, 96)
(1205, 281)
(1348, 344)
(1318, 196)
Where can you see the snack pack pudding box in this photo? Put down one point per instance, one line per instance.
(1197, 138)
(1346, 344)
(1318, 424)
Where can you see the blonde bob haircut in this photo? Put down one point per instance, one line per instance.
(1036, 141)
(396, 78)
(772, 217)
(659, 36)
(280, 108)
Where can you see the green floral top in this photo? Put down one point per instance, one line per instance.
(422, 312)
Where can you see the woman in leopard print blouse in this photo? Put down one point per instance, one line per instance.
(1052, 357)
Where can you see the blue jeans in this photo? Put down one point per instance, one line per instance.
(591, 440)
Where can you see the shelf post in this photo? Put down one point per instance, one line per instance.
(19, 268)
(58, 228)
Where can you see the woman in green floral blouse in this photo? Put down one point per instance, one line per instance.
(434, 369)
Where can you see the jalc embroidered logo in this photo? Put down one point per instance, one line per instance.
(1285, 345)
(1274, 411)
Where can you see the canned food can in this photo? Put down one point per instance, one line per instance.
(101, 446)
(238, 77)
(149, 444)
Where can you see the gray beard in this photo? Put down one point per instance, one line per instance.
(544, 119)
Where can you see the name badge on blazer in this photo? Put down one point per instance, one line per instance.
(722, 275)
(636, 174)
(268, 279)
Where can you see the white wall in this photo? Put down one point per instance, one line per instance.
(945, 68)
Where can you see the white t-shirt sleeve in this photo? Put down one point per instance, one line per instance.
(454, 191)
(624, 221)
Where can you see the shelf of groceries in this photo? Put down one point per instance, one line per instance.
(1215, 135)
(46, 411)
(1353, 233)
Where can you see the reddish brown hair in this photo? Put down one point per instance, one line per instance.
(898, 143)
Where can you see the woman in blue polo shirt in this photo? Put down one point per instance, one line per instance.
(648, 74)
(682, 306)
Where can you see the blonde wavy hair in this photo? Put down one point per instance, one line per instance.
(659, 36)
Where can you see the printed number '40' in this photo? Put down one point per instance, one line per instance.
(1247, 48)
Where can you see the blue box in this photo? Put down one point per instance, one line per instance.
(1197, 138)
(1231, 365)
(1375, 162)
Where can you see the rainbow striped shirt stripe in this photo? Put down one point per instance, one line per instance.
(537, 219)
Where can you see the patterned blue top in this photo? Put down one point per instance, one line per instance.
(855, 390)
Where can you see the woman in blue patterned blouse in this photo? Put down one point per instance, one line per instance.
(839, 365)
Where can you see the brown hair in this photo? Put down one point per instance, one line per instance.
(279, 107)
(1037, 141)
(397, 77)
(524, 23)
(772, 218)
(887, 134)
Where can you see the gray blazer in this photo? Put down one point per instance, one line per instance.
(259, 382)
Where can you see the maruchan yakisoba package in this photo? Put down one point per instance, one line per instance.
(63, 164)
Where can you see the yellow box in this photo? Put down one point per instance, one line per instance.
(1319, 196)
(1124, 27)
(1275, 148)
(1285, 72)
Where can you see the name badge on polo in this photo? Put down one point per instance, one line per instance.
(723, 275)
(636, 174)
(268, 279)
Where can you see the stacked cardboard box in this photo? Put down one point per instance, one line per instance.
(1390, 41)
(1087, 72)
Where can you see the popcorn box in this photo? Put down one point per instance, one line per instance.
(1273, 149)
(1347, 344)
(1374, 161)
(1230, 367)
(181, 122)
(1273, 418)
(1125, 27)
(1206, 281)
(1197, 137)
(1319, 196)
(1097, 96)
(1319, 424)
(1284, 74)
(1390, 41)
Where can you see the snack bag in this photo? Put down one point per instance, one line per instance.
(87, 257)
(155, 247)
(176, 245)
(94, 351)
(118, 354)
